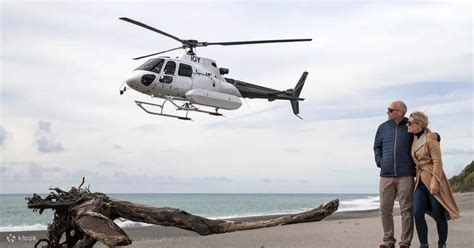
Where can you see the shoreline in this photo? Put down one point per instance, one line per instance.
(330, 232)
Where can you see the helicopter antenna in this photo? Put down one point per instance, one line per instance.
(191, 45)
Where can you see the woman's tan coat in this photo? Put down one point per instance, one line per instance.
(426, 153)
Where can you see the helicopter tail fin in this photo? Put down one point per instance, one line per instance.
(299, 86)
(296, 93)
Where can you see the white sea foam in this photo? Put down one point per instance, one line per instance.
(34, 227)
(241, 216)
(367, 203)
(42, 227)
(129, 223)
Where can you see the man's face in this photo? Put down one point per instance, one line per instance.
(394, 112)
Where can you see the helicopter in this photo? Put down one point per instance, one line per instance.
(198, 81)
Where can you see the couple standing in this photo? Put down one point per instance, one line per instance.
(405, 148)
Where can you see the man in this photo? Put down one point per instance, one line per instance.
(392, 148)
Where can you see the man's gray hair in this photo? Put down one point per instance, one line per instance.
(402, 105)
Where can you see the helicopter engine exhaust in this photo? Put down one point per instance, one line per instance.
(223, 71)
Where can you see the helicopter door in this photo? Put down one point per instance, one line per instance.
(184, 79)
(169, 70)
(167, 78)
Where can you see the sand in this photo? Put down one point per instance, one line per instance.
(345, 229)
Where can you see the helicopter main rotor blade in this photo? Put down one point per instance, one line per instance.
(149, 55)
(232, 43)
(151, 28)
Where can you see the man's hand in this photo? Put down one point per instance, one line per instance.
(434, 186)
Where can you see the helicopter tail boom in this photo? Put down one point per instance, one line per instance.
(248, 90)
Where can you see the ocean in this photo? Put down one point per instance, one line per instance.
(15, 216)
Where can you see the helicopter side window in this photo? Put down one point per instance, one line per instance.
(153, 65)
(157, 67)
(185, 70)
(170, 68)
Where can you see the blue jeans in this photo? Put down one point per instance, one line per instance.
(424, 201)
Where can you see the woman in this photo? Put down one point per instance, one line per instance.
(432, 191)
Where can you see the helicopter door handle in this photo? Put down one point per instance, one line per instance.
(166, 79)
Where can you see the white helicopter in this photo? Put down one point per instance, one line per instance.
(198, 81)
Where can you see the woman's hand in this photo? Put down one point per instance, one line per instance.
(434, 186)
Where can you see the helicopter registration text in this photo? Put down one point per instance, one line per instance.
(195, 59)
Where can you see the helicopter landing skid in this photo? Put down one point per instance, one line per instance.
(186, 107)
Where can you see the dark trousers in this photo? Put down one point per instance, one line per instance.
(423, 201)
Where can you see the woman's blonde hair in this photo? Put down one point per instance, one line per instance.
(420, 118)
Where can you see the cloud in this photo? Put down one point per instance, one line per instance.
(214, 179)
(358, 104)
(283, 181)
(3, 136)
(20, 177)
(373, 102)
(45, 140)
(293, 150)
(44, 126)
(302, 181)
(273, 180)
(458, 152)
(347, 92)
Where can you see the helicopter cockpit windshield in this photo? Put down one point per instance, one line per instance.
(153, 65)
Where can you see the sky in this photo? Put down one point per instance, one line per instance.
(62, 118)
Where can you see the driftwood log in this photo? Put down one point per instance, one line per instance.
(82, 218)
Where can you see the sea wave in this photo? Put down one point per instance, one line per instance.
(367, 203)
(19, 228)
(43, 227)
(237, 216)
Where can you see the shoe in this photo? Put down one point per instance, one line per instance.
(425, 246)
(442, 246)
(404, 246)
(387, 246)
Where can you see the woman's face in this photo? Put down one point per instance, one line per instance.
(413, 126)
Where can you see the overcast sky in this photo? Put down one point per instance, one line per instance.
(62, 116)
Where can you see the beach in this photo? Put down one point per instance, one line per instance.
(342, 229)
